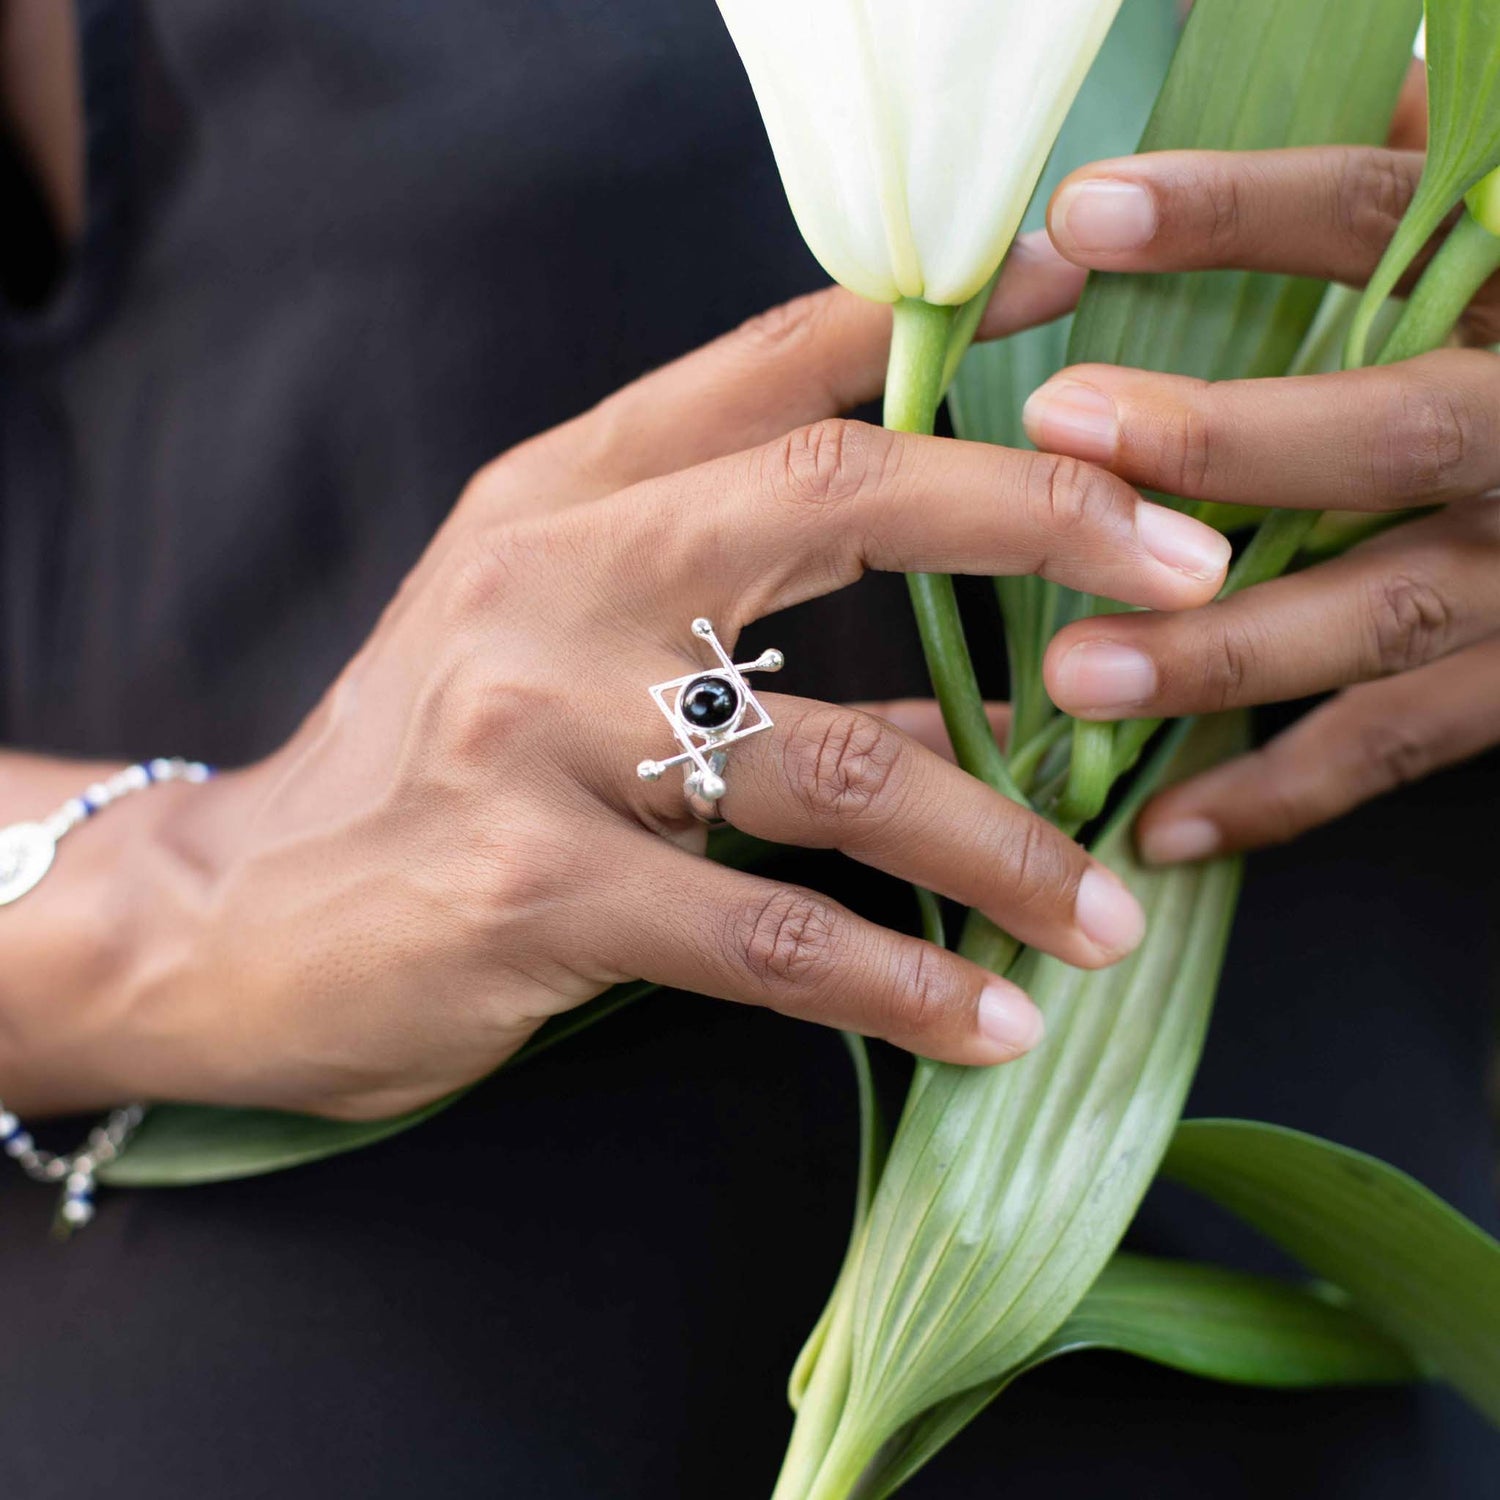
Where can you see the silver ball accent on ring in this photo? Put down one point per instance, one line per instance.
(709, 710)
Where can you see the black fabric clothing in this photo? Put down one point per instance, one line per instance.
(339, 255)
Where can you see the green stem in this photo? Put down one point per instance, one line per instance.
(1023, 603)
(1090, 773)
(920, 348)
(931, 910)
(1468, 258)
(1276, 542)
(965, 325)
(983, 943)
(849, 1455)
(822, 1406)
(1027, 760)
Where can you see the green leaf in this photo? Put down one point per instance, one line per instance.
(873, 1145)
(1463, 141)
(182, 1144)
(1005, 1192)
(996, 378)
(1247, 78)
(1232, 1326)
(1007, 1189)
(1106, 120)
(1409, 1262)
(1281, 73)
(1204, 1320)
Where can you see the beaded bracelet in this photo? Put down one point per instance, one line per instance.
(26, 854)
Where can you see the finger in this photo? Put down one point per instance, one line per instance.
(809, 513)
(1414, 595)
(922, 719)
(833, 778)
(1323, 211)
(1409, 124)
(1360, 745)
(815, 357)
(699, 926)
(1412, 434)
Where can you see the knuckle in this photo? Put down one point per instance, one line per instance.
(1423, 445)
(481, 569)
(592, 448)
(516, 878)
(492, 484)
(786, 938)
(1222, 211)
(922, 994)
(1371, 195)
(1038, 875)
(1409, 622)
(472, 716)
(843, 763)
(1228, 666)
(1279, 813)
(834, 461)
(1394, 752)
(1187, 444)
(783, 329)
(1068, 494)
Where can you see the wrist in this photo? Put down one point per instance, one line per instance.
(93, 959)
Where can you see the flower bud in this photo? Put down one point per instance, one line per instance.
(911, 134)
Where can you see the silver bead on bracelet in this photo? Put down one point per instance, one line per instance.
(74, 1169)
(26, 854)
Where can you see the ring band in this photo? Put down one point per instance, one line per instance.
(708, 711)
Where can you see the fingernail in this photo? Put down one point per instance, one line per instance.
(1186, 545)
(1103, 216)
(1180, 843)
(1074, 419)
(1108, 915)
(1008, 1019)
(1102, 675)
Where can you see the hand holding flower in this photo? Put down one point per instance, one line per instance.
(1408, 622)
(455, 846)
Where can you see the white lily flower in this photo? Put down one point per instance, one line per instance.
(911, 134)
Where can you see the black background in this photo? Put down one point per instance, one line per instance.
(338, 256)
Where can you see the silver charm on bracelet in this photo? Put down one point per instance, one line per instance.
(709, 710)
(27, 849)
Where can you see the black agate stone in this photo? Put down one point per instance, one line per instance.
(709, 703)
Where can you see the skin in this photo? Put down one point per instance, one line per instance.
(41, 102)
(447, 853)
(443, 855)
(1405, 629)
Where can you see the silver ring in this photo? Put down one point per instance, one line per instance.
(708, 711)
(699, 805)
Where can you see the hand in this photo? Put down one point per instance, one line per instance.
(456, 846)
(1407, 624)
